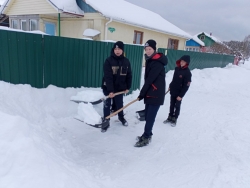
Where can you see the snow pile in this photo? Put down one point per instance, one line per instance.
(88, 96)
(88, 114)
(43, 145)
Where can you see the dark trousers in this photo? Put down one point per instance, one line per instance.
(118, 100)
(175, 107)
(150, 114)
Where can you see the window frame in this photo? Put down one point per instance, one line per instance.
(173, 44)
(30, 24)
(21, 25)
(135, 37)
(12, 24)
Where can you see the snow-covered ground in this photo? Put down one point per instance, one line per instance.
(42, 145)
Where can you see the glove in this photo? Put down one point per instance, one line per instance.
(140, 97)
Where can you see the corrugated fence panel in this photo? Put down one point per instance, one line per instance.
(198, 60)
(21, 58)
(75, 63)
(135, 55)
(66, 62)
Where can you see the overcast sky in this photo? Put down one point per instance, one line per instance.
(226, 19)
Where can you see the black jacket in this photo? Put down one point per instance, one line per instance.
(117, 74)
(181, 81)
(153, 90)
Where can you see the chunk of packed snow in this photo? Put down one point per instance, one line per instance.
(87, 113)
(88, 96)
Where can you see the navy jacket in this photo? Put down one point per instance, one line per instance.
(181, 80)
(153, 90)
(117, 74)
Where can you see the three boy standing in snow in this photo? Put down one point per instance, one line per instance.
(118, 77)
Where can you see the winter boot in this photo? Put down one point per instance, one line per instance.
(142, 141)
(139, 137)
(104, 129)
(173, 122)
(123, 120)
(169, 120)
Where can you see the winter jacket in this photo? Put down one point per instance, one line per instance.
(117, 74)
(181, 80)
(153, 90)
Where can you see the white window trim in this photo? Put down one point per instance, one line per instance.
(31, 24)
(12, 24)
(21, 25)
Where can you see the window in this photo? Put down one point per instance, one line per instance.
(14, 24)
(138, 36)
(173, 44)
(23, 25)
(202, 37)
(33, 25)
(186, 49)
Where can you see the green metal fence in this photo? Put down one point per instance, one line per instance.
(64, 62)
(198, 60)
(21, 58)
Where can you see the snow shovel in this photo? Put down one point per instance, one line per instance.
(100, 100)
(105, 123)
(141, 113)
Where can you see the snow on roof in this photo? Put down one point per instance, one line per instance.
(123, 11)
(196, 39)
(91, 32)
(67, 6)
(212, 37)
(18, 30)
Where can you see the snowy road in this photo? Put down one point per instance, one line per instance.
(42, 145)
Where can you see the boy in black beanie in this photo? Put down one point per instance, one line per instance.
(153, 90)
(178, 88)
(117, 77)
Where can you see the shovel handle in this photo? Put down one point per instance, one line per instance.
(167, 92)
(118, 93)
(116, 112)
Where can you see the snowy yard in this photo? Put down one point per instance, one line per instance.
(43, 146)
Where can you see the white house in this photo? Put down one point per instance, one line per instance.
(97, 19)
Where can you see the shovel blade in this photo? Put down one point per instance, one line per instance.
(102, 125)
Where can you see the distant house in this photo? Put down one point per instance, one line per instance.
(213, 44)
(194, 44)
(96, 19)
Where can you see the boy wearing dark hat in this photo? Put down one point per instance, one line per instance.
(117, 77)
(178, 88)
(153, 90)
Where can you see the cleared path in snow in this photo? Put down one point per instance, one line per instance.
(42, 145)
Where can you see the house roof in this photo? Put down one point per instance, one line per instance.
(125, 12)
(196, 39)
(65, 6)
(208, 35)
(214, 39)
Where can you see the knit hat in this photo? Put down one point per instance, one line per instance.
(119, 44)
(150, 43)
(186, 58)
